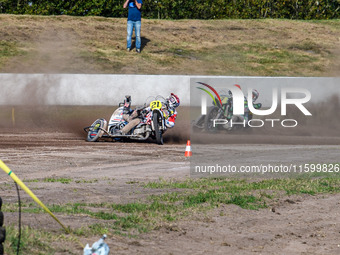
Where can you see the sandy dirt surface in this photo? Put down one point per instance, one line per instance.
(36, 148)
(294, 225)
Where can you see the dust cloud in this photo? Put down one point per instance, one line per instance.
(323, 127)
(72, 119)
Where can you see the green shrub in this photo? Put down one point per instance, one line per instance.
(181, 9)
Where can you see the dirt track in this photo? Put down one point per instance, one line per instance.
(112, 171)
(300, 225)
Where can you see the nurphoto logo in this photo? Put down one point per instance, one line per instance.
(237, 104)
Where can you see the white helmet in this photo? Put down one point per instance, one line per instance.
(173, 100)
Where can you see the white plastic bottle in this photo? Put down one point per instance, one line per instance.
(98, 248)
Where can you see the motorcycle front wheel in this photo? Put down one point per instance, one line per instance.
(158, 132)
(208, 121)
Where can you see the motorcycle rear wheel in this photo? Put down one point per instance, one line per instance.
(1, 218)
(198, 124)
(2, 234)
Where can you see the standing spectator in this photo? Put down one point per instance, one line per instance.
(134, 21)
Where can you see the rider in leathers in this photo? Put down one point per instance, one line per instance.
(134, 116)
(255, 95)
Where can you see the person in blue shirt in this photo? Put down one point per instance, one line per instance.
(134, 22)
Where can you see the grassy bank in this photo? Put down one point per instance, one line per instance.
(65, 44)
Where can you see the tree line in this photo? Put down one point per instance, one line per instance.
(181, 9)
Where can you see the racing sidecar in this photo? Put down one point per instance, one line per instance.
(152, 124)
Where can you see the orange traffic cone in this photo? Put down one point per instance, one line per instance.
(188, 152)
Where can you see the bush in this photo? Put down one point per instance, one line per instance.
(181, 9)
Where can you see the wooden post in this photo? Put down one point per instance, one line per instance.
(13, 116)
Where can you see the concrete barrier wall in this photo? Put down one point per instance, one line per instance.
(84, 89)
(321, 88)
(101, 89)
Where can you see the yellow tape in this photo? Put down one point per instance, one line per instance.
(29, 192)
